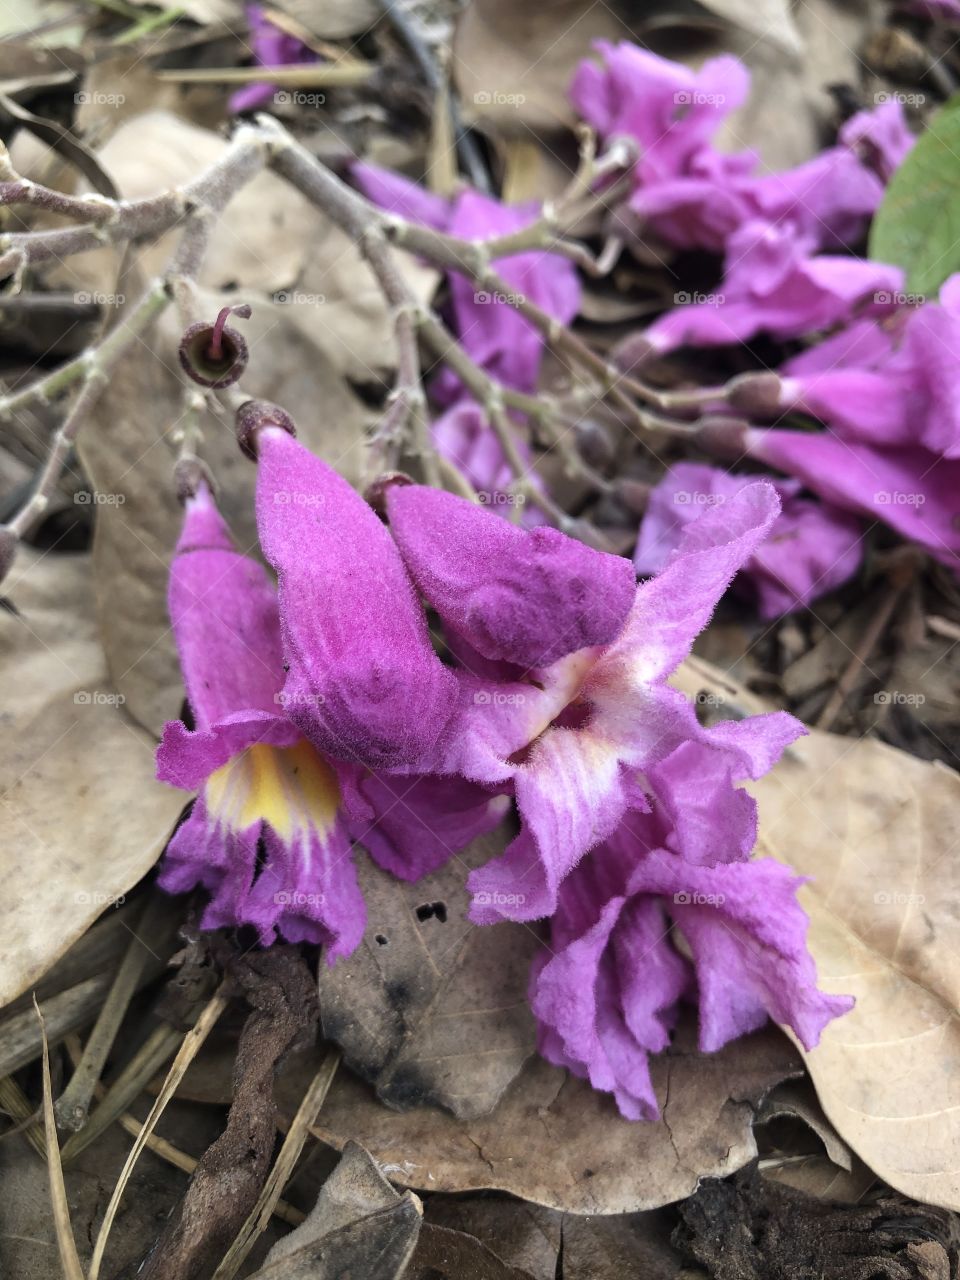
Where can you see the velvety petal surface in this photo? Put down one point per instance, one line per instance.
(523, 596)
(364, 683)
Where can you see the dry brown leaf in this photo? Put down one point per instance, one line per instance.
(522, 1234)
(557, 1142)
(83, 816)
(359, 1226)
(332, 19)
(442, 1254)
(770, 20)
(431, 1008)
(876, 831)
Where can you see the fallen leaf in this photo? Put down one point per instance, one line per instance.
(751, 1229)
(767, 19)
(524, 1235)
(83, 816)
(431, 1008)
(359, 1227)
(442, 1254)
(875, 830)
(333, 19)
(557, 1142)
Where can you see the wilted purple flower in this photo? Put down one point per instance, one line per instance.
(688, 193)
(581, 710)
(812, 548)
(607, 992)
(771, 285)
(271, 48)
(897, 385)
(363, 682)
(463, 434)
(259, 780)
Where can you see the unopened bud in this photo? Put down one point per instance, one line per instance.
(724, 436)
(756, 394)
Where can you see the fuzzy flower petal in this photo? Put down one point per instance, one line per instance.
(811, 549)
(773, 286)
(225, 620)
(364, 683)
(911, 489)
(748, 937)
(523, 596)
(419, 823)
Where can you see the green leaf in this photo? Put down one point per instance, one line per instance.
(917, 226)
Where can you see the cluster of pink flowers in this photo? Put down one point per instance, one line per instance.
(323, 716)
(882, 383)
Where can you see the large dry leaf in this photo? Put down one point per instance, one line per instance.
(876, 830)
(431, 1008)
(557, 1142)
(82, 816)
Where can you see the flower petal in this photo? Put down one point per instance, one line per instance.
(364, 683)
(570, 796)
(671, 610)
(420, 823)
(524, 596)
(748, 935)
(225, 620)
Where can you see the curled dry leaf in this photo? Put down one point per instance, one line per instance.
(557, 1142)
(83, 818)
(431, 1008)
(875, 830)
(359, 1226)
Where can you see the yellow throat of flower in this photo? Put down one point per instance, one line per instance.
(290, 788)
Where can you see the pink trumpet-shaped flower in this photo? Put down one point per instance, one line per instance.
(577, 708)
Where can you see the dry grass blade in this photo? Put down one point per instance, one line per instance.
(69, 1258)
(293, 1144)
(192, 1042)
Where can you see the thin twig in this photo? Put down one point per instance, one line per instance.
(279, 1176)
(192, 1043)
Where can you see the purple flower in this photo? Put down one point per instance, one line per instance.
(490, 330)
(880, 137)
(888, 394)
(909, 488)
(260, 783)
(463, 434)
(271, 48)
(363, 681)
(812, 548)
(887, 386)
(692, 196)
(772, 286)
(606, 993)
(269, 835)
(568, 703)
